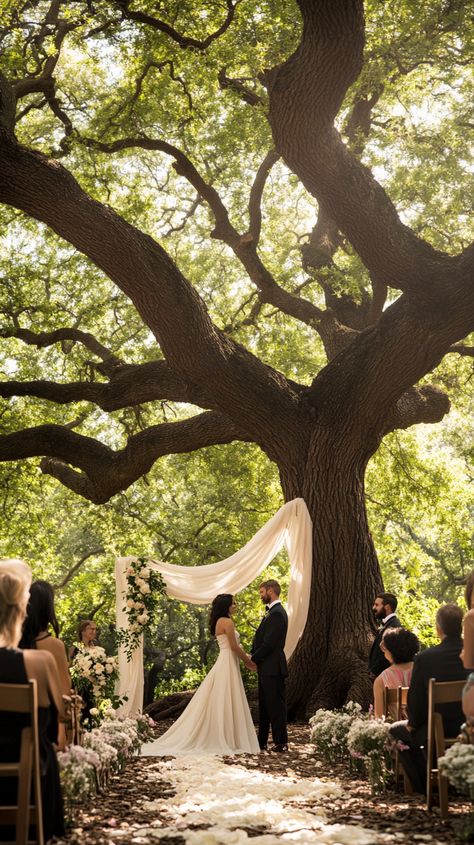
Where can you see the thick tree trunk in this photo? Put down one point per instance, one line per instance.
(329, 665)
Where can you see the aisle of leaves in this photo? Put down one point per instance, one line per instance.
(117, 817)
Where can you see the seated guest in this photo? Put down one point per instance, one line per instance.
(443, 663)
(40, 615)
(16, 667)
(468, 647)
(384, 608)
(399, 647)
(86, 636)
(467, 654)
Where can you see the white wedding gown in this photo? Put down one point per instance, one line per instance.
(217, 720)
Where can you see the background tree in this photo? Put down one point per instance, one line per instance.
(269, 318)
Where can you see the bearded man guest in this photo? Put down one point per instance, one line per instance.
(269, 657)
(384, 608)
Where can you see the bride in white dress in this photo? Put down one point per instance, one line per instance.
(217, 720)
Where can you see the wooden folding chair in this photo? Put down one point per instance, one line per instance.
(439, 692)
(23, 698)
(396, 699)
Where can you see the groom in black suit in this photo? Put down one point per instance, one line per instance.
(270, 661)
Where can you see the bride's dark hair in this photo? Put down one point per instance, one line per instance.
(219, 607)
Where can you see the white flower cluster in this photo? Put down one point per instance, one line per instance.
(144, 585)
(106, 749)
(329, 730)
(77, 766)
(139, 575)
(368, 738)
(93, 667)
(457, 765)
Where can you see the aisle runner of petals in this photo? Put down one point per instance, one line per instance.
(228, 799)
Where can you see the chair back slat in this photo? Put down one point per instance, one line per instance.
(439, 692)
(17, 698)
(395, 698)
(23, 698)
(446, 692)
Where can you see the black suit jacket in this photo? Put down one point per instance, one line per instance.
(443, 663)
(269, 642)
(377, 659)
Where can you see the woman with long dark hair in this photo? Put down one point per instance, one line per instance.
(40, 618)
(217, 720)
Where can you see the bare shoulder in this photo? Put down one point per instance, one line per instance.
(224, 625)
(40, 658)
(55, 646)
(39, 663)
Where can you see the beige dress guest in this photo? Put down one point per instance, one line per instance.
(46, 642)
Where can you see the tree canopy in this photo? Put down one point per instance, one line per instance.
(248, 223)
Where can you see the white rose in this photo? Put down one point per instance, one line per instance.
(142, 618)
(145, 572)
(94, 711)
(145, 588)
(130, 603)
(109, 668)
(99, 669)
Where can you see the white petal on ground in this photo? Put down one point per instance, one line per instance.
(228, 798)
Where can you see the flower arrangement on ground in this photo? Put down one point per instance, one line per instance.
(144, 586)
(94, 674)
(329, 730)
(85, 769)
(77, 766)
(457, 765)
(369, 740)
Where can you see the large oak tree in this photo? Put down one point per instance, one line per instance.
(156, 84)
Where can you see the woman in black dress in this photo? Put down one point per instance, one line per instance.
(16, 667)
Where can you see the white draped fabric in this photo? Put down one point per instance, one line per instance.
(289, 527)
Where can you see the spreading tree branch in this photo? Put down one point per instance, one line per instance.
(129, 385)
(43, 339)
(198, 352)
(183, 41)
(74, 569)
(425, 404)
(306, 93)
(243, 245)
(104, 472)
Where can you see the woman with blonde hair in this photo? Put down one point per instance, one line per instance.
(17, 667)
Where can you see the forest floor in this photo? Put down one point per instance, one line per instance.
(150, 802)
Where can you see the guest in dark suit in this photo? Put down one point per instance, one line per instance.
(443, 663)
(384, 608)
(269, 657)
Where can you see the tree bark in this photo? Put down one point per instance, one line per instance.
(329, 665)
